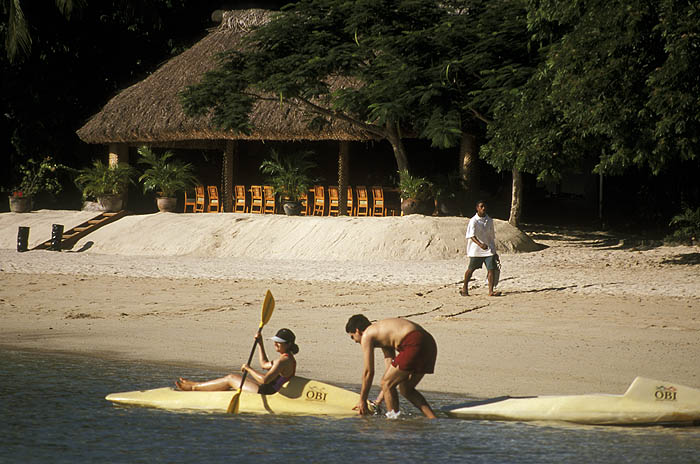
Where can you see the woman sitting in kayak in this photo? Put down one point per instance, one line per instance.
(278, 372)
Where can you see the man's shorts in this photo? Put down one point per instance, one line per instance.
(417, 353)
(476, 262)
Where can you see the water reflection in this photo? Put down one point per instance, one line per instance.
(53, 409)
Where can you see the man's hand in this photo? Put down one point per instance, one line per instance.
(484, 246)
(362, 408)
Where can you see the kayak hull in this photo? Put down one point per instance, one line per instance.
(646, 402)
(299, 396)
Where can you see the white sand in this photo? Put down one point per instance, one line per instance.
(584, 314)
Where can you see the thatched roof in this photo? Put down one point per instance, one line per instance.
(150, 111)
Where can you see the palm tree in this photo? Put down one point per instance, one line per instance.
(18, 37)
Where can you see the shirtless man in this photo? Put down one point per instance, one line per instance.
(417, 352)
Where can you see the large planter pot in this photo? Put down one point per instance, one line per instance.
(412, 206)
(21, 204)
(167, 204)
(292, 208)
(111, 203)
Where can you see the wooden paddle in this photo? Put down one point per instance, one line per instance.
(267, 308)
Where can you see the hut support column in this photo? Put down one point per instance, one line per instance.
(343, 175)
(118, 154)
(230, 157)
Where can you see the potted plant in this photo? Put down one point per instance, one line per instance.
(36, 177)
(416, 194)
(447, 194)
(165, 176)
(107, 184)
(289, 176)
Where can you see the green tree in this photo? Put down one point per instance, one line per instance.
(389, 67)
(17, 36)
(618, 86)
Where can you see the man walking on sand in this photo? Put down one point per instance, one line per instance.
(481, 248)
(417, 352)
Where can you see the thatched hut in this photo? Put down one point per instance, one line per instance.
(150, 112)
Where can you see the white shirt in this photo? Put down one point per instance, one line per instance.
(482, 229)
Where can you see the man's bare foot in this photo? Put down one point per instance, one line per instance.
(495, 294)
(184, 384)
(464, 292)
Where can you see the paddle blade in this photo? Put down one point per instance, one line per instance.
(235, 403)
(267, 308)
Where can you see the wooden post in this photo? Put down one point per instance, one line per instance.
(343, 174)
(230, 153)
(118, 153)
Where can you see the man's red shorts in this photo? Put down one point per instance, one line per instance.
(417, 353)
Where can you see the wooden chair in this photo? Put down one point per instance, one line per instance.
(304, 200)
(319, 200)
(190, 201)
(269, 203)
(239, 200)
(333, 201)
(351, 203)
(256, 199)
(378, 206)
(213, 203)
(362, 208)
(197, 202)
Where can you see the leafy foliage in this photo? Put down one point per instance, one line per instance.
(17, 37)
(687, 226)
(617, 85)
(406, 66)
(289, 175)
(416, 187)
(164, 175)
(38, 177)
(101, 179)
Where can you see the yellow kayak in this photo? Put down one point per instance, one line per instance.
(646, 401)
(299, 396)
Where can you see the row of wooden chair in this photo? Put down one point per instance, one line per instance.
(198, 202)
(263, 201)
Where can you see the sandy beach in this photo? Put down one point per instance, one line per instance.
(581, 312)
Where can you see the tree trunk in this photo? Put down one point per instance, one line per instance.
(469, 165)
(343, 168)
(392, 135)
(516, 199)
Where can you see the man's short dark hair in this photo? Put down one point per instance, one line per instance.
(358, 321)
(478, 202)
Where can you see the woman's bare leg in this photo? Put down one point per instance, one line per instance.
(229, 382)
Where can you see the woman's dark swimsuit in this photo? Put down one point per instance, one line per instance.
(273, 387)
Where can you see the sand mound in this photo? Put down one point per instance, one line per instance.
(412, 237)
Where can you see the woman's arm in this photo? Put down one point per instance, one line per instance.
(270, 375)
(264, 362)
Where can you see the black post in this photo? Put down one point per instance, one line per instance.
(56, 237)
(22, 238)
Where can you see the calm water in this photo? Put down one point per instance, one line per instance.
(52, 409)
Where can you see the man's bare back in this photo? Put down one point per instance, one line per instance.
(388, 333)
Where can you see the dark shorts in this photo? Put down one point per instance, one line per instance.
(267, 389)
(417, 353)
(476, 262)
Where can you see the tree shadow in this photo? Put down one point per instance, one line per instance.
(688, 259)
(593, 238)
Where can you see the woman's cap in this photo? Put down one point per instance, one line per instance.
(284, 336)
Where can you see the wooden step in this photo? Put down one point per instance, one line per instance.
(71, 236)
